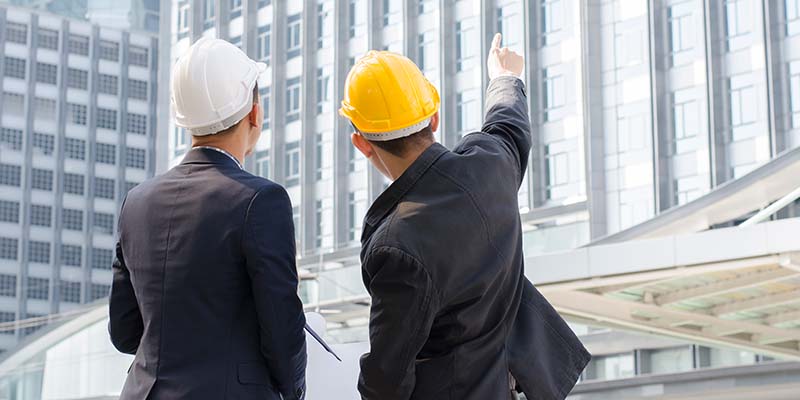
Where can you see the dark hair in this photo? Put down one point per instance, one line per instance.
(401, 146)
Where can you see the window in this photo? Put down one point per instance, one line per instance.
(8, 283)
(292, 163)
(77, 78)
(48, 39)
(137, 89)
(319, 156)
(42, 179)
(9, 211)
(323, 90)
(46, 73)
(356, 208)
(99, 291)
(16, 33)
(139, 56)
(104, 222)
(353, 18)
(292, 99)
(262, 163)
(10, 175)
(102, 258)
(467, 111)
(11, 139)
(106, 118)
(556, 169)
(742, 97)
(109, 50)
(13, 104)
(71, 255)
(39, 252)
(208, 13)
(130, 185)
(70, 291)
(508, 23)
(106, 153)
(465, 45)
(794, 92)
(104, 188)
(41, 215)
(44, 143)
(137, 124)
(72, 219)
(45, 109)
(16, 67)
(38, 288)
(610, 367)
(264, 43)
(263, 3)
(293, 37)
(319, 218)
(236, 9)
(680, 31)
(324, 26)
(391, 12)
(664, 361)
(75, 149)
(183, 19)
(353, 163)
(421, 51)
(632, 132)
(76, 114)
(685, 120)
(107, 84)
(265, 103)
(553, 92)
(78, 44)
(737, 17)
(425, 6)
(135, 158)
(9, 247)
(792, 17)
(73, 184)
(552, 19)
(7, 316)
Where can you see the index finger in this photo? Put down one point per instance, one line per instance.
(496, 41)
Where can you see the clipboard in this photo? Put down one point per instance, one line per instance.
(321, 342)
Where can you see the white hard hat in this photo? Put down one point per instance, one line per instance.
(212, 86)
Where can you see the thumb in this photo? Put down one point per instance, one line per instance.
(496, 41)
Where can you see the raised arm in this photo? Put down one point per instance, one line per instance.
(269, 249)
(404, 304)
(506, 104)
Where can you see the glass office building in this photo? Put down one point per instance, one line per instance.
(78, 110)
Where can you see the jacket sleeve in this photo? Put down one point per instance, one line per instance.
(404, 305)
(125, 324)
(269, 249)
(507, 119)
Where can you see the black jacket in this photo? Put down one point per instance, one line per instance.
(205, 286)
(442, 260)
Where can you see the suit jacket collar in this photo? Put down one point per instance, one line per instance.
(199, 155)
(395, 192)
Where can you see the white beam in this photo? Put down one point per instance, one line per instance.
(620, 313)
(775, 319)
(772, 300)
(740, 282)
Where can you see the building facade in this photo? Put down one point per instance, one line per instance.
(78, 130)
(637, 107)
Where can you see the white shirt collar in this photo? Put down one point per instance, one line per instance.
(221, 151)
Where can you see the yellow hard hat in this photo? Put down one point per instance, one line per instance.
(387, 97)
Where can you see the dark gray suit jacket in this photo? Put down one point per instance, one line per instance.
(205, 286)
(442, 258)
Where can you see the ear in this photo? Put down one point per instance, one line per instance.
(363, 145)
(252, 117)
(435, 122)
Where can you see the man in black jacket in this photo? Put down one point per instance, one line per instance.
(442, 246)
(205, 284)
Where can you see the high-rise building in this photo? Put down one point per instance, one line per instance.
(118, 14)
(78, 110)
(637, 107)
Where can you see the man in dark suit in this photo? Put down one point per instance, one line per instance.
(205, 284)
(452, 313)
